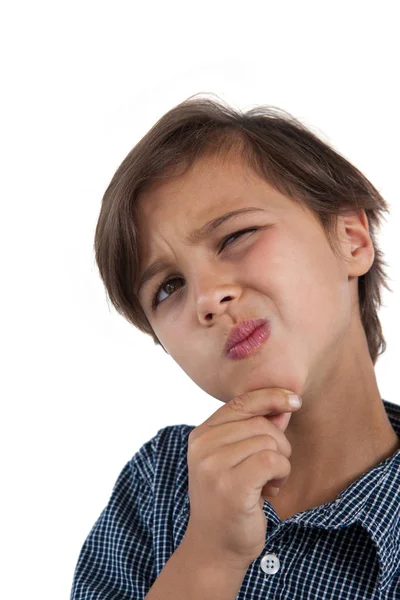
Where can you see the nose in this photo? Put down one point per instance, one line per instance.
(215, 300)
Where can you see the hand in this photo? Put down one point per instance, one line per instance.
(235, 458)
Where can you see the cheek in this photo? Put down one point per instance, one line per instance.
(302, 281)
(199, 363)
(264, 264)
(318, 294)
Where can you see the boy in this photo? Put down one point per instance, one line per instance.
(245, 246)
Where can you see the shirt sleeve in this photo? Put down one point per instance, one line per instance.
(116, 560)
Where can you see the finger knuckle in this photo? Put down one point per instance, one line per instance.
(285, 468)
(238, 403)
(285, 465)
(270, 443)
(208, 465)
(268, 458)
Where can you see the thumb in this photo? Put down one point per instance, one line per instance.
(281, 421)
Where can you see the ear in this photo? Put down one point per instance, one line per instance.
(356, 242)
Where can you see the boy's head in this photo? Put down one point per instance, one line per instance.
(312, 266)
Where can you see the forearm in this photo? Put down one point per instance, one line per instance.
(188, 576)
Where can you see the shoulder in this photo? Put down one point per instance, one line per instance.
(168, 447)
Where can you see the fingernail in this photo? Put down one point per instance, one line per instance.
(295, 401)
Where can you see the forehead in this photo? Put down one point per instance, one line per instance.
(210, 188)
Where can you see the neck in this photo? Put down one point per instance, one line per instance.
(337, 435)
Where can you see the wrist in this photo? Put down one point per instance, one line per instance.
(209, 559)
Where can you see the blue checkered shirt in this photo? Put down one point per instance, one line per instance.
(348, 548)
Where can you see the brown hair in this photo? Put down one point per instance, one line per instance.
(273, 143)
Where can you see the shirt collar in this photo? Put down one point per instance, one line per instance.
(373, 501)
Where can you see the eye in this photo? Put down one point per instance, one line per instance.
(154, 299)
(236, 235)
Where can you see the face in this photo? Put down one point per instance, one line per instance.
(283, 270)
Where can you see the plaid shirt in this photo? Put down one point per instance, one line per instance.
(347, 548)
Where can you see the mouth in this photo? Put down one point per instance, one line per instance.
(247, 338)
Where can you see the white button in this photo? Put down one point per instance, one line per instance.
(270, 564)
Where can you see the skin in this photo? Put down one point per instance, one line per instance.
(287, 272)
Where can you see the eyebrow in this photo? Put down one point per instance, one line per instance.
(195, 237)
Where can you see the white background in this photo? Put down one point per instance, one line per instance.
(82, 82)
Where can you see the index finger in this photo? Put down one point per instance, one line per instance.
(264, 402)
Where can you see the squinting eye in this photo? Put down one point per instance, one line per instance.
(155, 301)
(236, 235)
